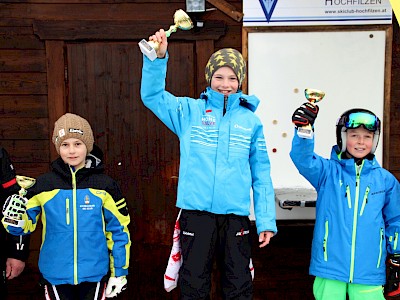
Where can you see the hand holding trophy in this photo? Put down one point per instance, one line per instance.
(181, 20)
(305, 115)
(15, 205)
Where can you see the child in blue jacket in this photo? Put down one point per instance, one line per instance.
(358, 208)
(223, 156)
(85, 246)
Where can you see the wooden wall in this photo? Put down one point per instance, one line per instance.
(32, 47)
(394, 161)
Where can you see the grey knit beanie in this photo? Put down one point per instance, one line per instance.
(227, 57)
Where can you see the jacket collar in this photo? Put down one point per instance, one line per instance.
(369, 162)
(94, 164)
(234, 100)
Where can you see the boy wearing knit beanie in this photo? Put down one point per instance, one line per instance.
(73, 139)
(223, 156)
(86, 241)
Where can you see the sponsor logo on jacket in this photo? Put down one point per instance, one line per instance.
(241, 127)
(87, 205)
(208, 120)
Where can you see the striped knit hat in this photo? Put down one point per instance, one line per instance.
(72, 126)
(226, 57)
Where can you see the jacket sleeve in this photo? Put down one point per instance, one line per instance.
(17, 246)
(117, 220)
(173, 111)
(308, 163)
(263, 191)
(391, 213)
(8, 181)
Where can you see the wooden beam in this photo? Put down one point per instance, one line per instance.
(56, 87)
(69, 30)
(228, 9)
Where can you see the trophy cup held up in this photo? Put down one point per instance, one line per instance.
(15, 204)
(181, 20)
(314, 96)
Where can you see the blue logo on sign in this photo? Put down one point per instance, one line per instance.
(268, 7)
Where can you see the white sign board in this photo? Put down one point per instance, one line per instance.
(349, 66)
(316, 12)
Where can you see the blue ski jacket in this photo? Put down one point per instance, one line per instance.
(357, 215)
(85, 221)
(222, 157)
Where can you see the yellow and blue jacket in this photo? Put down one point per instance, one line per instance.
(85, 221)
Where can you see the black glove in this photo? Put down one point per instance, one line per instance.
(305, 114)
(392, 286)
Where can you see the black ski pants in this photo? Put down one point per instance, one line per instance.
(205, 236)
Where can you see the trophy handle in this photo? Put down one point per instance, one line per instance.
(181, 20)
(313, 96)
(172, 28)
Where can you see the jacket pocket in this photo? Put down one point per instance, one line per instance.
(325, 243)
(365, 201)
(347, 195)
(396, 238)
(381, 239)
(67, 212)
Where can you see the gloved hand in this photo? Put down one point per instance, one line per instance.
(305, 114)
(115, 285)
(13, 210)
(392, 286)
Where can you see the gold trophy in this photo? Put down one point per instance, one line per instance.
(15, 204)
(25, 183)
(181, 20)
(314, 96)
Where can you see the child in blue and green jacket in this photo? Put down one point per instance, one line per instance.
(357, 209)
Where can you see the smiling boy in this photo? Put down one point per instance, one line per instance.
(223, 156)
(357, 209)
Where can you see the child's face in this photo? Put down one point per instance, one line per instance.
(359, 142)
(224, 81)
(73, 152)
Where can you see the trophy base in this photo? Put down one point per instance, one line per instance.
(305, 133)
(147, 50)
(290, 198)
(13, 222)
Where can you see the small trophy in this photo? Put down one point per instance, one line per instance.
(13, 207)
(313, 96)
(181, 20)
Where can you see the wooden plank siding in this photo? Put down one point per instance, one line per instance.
(395, 104)
(82, 56)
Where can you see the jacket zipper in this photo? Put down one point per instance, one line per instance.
(225, 105)
(354, 233)
(75, 228)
